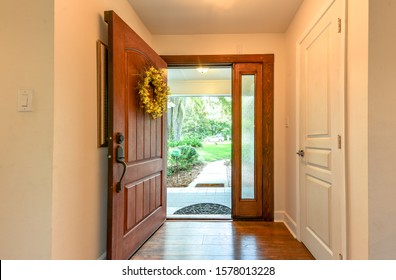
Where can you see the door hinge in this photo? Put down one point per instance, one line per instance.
(339, 25)
(339, 142)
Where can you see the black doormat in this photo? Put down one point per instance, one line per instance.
(213, 185)
(204, 209)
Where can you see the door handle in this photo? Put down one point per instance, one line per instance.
(301, 153)
(120, 158)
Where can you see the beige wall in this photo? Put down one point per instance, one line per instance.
(80, 168)
(243, 44)
(382, 130)
(26, 61)
(53, 195)
(357, 129)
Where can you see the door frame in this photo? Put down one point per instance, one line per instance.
(342, 70)
(267, 61)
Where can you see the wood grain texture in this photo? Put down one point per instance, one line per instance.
(224, 59)
(268, 140)
(222, 240)
(136, 211)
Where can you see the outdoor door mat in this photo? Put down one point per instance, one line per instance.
(220, 185)
(204, 208)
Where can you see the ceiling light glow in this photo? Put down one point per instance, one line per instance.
(202, 70)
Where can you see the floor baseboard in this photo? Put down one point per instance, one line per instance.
(282, 216)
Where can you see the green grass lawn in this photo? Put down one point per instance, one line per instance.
(212, 152)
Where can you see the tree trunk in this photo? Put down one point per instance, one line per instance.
(176, 117)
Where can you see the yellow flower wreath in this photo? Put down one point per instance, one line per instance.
(153, 92)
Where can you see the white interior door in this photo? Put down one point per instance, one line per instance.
(321, 131)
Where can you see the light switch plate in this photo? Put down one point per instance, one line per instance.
(25, 100)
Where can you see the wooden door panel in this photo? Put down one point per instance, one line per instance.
(142, 169)
(144, 133)
(139, 208)
(147, 191)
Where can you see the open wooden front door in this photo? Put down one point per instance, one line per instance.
(137, 203)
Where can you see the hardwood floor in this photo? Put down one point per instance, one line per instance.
(222, 240)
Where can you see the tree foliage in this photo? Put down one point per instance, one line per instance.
(199, 117)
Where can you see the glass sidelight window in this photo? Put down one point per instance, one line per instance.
(247, 145)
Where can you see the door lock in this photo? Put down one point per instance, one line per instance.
(119, 138)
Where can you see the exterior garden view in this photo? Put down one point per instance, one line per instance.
(199, 132)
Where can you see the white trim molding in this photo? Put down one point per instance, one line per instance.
(282, 216)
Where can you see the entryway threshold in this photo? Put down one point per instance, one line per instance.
(199, 217)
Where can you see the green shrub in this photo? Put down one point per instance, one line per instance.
(188, 153)
(173, 143)
(187, 158)
(193, 142)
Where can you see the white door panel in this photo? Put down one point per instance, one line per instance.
(320, 124)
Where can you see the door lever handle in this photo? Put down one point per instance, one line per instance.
(120, 159)
(301, 153)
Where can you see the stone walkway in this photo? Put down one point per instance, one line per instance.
(213, 173)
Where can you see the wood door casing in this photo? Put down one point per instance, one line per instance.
(267, 62)
(139, 208)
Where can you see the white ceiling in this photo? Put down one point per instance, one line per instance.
(191, 74)
(181, 17)
(189, 82)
